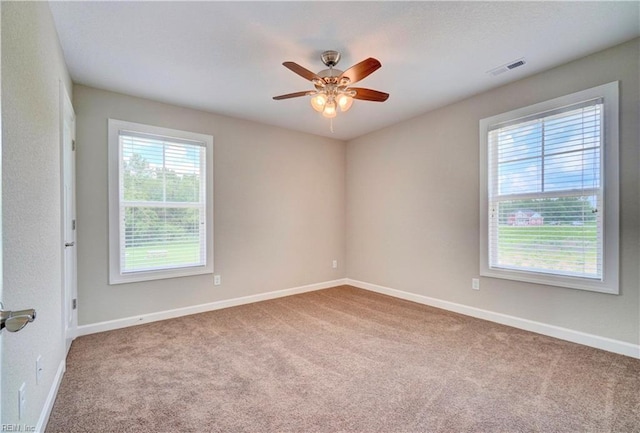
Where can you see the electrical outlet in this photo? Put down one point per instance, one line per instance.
(38, 369)
(22, 400)
(217, 280)
(334, 265)
(475, 284)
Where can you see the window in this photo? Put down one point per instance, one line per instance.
(549, 195)
(160, 203)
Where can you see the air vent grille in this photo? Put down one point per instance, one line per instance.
(507, 67)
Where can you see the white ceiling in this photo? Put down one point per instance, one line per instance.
(226, 57)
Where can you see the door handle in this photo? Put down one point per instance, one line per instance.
(69, 244)
(16, 320)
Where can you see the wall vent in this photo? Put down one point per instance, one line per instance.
(515, 64)
(507, 67)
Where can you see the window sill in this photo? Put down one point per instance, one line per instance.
(609, 287)
(135, 277)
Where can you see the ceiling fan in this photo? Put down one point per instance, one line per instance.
(332, 85)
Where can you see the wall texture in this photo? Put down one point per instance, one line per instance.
(32, 68)
(413, 204)
(279, 209)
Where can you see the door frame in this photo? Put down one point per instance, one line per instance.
(68, 217)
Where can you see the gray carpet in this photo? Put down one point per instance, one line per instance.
(341, 360)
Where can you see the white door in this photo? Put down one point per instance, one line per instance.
(69, 296)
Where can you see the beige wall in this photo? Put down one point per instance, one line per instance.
(413, 211)
(400, 205)
(279, 204)
(411, 203)
(32, 68)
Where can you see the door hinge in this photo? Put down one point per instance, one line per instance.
(74, 304)
(73, 224)
(73, 145)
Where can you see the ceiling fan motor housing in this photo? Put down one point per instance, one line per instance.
(330, 58)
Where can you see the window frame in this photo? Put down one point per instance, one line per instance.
(610, 190)
(116, 276)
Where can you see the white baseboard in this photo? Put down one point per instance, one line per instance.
(591, 340)
(608, 344)
(178, 312)
(51, 398)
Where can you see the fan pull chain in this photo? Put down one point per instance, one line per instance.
(331, 125)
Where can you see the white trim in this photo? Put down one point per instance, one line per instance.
(610, 183)
(71, 334)
(114, 127)
(604, 343)
(195, 309)
(68, 326)
(51, 398)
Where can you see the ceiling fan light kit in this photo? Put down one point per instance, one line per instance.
(332, 89)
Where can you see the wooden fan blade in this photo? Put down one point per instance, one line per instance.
(292, 95)
(361, 70)
(369, 95)
(303, 72)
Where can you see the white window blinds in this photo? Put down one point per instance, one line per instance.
(545, 192)
(162, 202)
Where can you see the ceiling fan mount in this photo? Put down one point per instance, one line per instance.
(330, 58)
(332, 85)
